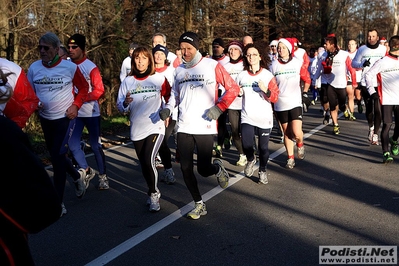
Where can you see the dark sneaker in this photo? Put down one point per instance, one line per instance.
(103, 182)
(222, 175)
(169, 176)
(199, 209)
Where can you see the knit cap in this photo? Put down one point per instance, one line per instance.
(236, 44)
(79, 40)
(191, 38)
(161, 48)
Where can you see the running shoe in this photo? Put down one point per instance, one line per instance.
(199, 209)
(374, 140)
(394, 147)
(290, 163)
(347, 114)
(222, 175)
(169, 176)
(227, 142)
(360, 105)
(301, 152)
(154, 202)
(387, 158)
(158, 162)
(89, 176)
(249, 168)
(103, 182)
(64, 210)
(218, 152)
(352, 117)
(263, 178)
(242, 161)
(371, 133)
(80, 187)
(336, 130)
(326, 119)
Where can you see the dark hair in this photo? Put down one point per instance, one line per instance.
(332, 40)
(151, 66)
(394, 43)
(262, 48)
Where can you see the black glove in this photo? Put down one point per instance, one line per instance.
(213, 113)
(305, 102)
(164, 113)
(375, 96)
(366, 63)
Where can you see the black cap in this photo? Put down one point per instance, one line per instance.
(191, 38)
(79, 40)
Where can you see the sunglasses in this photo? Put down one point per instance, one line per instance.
(45, 47)
(73, 47)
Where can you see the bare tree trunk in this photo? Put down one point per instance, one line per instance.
(395, 13)
(188, 14)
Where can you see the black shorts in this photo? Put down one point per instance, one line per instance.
(290, 115)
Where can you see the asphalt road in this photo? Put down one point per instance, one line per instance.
(341, 194)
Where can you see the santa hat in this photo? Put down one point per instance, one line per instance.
(296, 42)
(236, 44)
(289, 43)
(274, 42)
(383, 39)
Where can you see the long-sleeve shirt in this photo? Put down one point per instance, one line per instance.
(144, 110)
(341, 66)
(54, 86)
(256, 105)
(386, 71)
(125, 68)
(24, 100)
(196, 90)
(90, 71)
(365, 53)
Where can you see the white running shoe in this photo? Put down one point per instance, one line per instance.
(154, 202)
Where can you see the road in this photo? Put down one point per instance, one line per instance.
(341, 194)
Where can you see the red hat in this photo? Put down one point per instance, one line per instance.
(236, 44)
(296, 41)
(383, 39)
(289, 42)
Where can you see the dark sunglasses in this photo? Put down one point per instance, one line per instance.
(40, 47)
(73, 47)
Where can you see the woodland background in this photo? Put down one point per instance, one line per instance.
(111, 25)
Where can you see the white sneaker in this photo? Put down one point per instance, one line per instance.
(154, 202)
(80, 187)
(199, 209)
(249, 168)
(290, 163)
(301, 152)
(374, 140)
(263, 178)
(242, 161)
(222, 176)
(64, 210)
(89, 176)
(371, 133)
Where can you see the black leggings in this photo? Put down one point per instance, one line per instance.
(146, 150)
(235, 123)
(186, 145)
(164, 150)
(373, 110)
(248, 133)
(386, 111)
